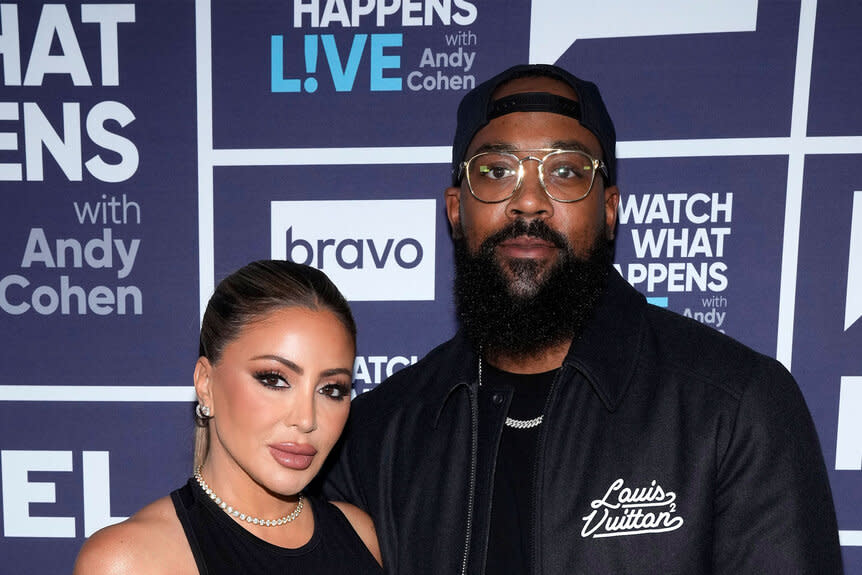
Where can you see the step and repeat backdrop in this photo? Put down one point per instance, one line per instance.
(149, 148)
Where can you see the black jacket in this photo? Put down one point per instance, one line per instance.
(666, 447)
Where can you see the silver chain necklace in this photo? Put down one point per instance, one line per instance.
(510, 421)
(289, 518)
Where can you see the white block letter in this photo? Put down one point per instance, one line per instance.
(97, 492)
(848, 452)
(19, 493)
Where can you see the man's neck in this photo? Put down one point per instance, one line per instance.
(546, 360)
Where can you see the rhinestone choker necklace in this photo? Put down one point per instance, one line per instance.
(511, 421)
(242, 516)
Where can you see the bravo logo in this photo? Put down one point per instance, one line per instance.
(374, 250)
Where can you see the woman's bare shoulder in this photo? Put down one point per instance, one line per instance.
(363, 525)
(151, 542)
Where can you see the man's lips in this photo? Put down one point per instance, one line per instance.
(526, 247)
(293, 455)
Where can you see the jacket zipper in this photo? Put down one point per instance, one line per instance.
(474, 440)
(534, 553)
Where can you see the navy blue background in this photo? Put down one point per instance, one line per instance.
(657, 88)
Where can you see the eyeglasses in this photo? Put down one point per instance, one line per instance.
(566, 175)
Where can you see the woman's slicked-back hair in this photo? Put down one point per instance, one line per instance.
(252, 292)
(259, 288)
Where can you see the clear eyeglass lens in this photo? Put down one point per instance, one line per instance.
(567, 175)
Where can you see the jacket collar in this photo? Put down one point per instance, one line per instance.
(459, 367)
(606, 352)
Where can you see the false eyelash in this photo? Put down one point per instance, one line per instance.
(262, 376)
(343, 389)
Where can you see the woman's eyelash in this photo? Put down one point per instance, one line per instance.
(271, 379)
(276, 380)
(336, 391)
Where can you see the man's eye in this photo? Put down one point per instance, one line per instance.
(568, 172)
(496, 172)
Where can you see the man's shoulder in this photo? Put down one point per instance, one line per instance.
(641, 339)
(429, 379)
(685, 345)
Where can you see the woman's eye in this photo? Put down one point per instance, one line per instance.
(337, 391)
(272, 379)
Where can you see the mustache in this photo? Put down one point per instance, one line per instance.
(534, 228)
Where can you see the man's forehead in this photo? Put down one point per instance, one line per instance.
(535, 84)
(544, 130)
(544, 145)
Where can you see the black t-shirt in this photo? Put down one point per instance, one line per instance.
(513, 499)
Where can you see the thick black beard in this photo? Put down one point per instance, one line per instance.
(524, 317)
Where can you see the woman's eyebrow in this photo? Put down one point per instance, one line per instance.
(336, 371)
(284, 361)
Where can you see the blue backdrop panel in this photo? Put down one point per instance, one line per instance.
(242, 209)
(96, 461)
(702, 236)
(835, 110)
(131, 241)
(827, 353)
(361, 73)
(728, 85)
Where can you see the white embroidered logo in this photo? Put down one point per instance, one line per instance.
(632, 511)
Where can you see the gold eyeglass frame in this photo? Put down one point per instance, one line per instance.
(598, 165)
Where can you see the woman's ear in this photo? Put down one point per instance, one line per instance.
(203, 368)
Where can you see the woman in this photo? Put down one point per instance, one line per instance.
(273, 384)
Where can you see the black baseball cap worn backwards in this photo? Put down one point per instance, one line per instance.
(477, 108)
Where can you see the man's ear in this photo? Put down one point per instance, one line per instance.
(612, 202)
(453, 210)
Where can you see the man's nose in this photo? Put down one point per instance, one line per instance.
(530, 198)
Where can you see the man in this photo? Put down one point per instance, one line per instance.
(570, 427)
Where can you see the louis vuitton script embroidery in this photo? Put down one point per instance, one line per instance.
(632, 511)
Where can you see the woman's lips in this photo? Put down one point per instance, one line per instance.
(293, 455)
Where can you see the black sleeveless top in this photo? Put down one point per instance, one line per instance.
(222, 547)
